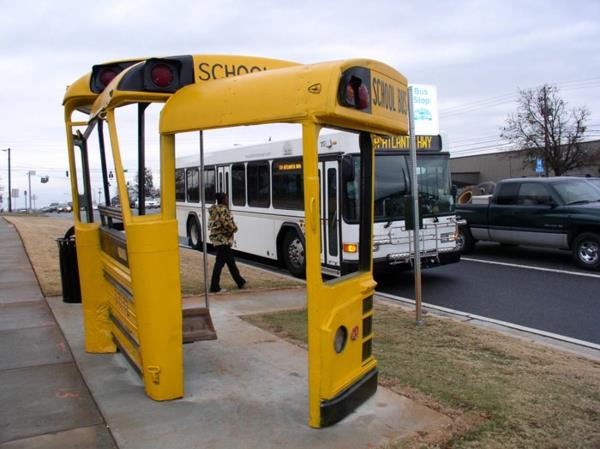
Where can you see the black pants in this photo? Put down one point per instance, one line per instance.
(225, 256)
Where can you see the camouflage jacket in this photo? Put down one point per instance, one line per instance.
(221, 225)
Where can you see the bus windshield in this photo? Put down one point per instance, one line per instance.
(392, 186)
(435, 186)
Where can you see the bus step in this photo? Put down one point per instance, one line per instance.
(198, 325)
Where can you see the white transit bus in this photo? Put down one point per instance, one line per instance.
(264, 185)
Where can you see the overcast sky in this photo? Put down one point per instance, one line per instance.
(477, 53)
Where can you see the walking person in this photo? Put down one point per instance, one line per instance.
(222, 227)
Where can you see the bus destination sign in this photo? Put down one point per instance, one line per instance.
(423, 143)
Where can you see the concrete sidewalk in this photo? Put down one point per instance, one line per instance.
(248, 389)
(45, 402)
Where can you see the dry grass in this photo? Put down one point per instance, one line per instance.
(39, 235)
(501, 392)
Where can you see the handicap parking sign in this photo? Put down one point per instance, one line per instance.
(539, 166)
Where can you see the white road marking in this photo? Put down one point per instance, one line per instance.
(530, 267)
(530, 330)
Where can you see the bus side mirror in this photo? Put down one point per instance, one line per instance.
(347, 169)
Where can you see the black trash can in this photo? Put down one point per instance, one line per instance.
(69, 274)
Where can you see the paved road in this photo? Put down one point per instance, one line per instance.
(532, 287)
(540, 289)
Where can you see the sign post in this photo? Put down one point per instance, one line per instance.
(415, 209)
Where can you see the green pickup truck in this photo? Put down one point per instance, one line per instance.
(559, 212)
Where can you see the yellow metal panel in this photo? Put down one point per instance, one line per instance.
(206, 68)
(93, 289)
(79, 94)
(154, 263)
(331, 305)
(287, 94)
(213, 67)
(131, 350)
(119, 172)
(314, 282)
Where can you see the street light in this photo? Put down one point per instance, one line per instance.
(9, 186)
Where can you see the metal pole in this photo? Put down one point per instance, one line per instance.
(87, 185)
(203, 231)
(415, 194)
(9, 184)
(103, 164)
(142, 158)
(29, 176)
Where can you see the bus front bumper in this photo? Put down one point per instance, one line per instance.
(404, 261)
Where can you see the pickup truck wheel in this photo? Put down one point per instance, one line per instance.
(586, 251)
(465, 243)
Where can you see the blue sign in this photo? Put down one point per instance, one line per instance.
(539, 166)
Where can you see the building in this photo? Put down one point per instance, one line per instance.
(472, 170)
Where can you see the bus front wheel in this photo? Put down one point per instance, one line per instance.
(193, 234)
(293, 254)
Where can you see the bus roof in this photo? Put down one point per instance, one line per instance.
(329, 143)
(135, 84)
(292, 94)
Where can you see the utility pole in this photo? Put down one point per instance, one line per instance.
(546, 145)
(9, 184)
(29, 173)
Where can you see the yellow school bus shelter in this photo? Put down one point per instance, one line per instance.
(133, 272)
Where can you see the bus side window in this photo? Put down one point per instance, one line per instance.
(238, 184)
(351, 177)
(288, 187)
(180, 184)
(193, 185)
(259, 181)
(209, 184)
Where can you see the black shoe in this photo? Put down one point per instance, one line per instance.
(243, 285)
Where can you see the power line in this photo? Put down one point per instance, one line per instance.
(507, 98)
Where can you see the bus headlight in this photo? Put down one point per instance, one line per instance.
(448, 237)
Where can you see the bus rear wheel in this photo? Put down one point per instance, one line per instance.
(193, 234)
(293, 254)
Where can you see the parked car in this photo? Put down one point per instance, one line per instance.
(152, 203)
(63, 208)
(594, 181)
(558, 212)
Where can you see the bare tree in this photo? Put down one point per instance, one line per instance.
(543, 128)
(149, 189)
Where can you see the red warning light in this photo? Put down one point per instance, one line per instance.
(106, 76)
(161, 75)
